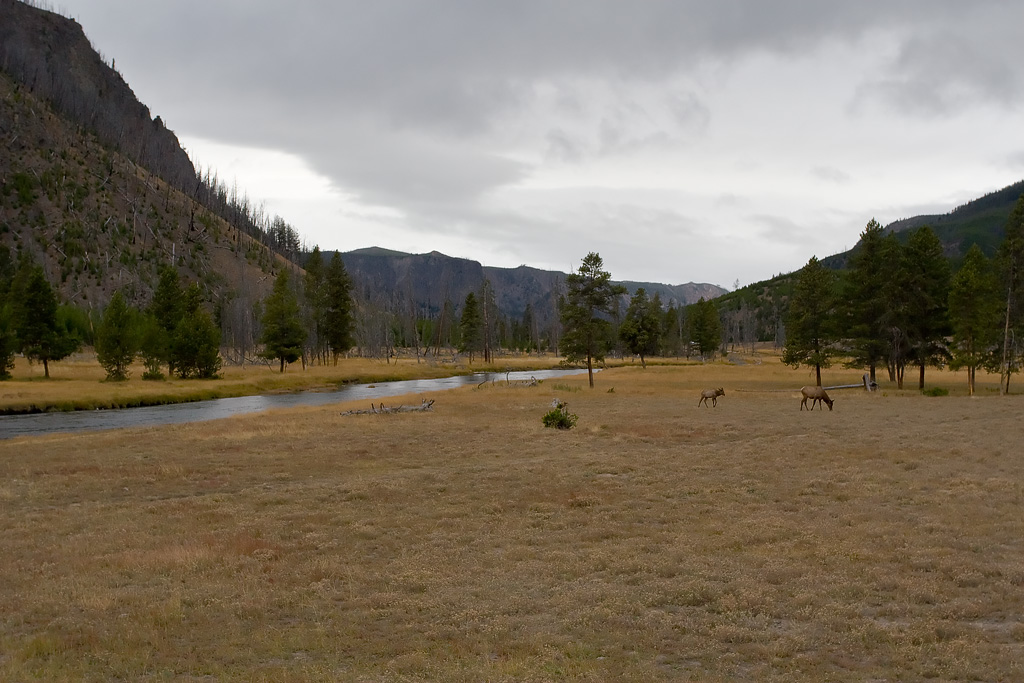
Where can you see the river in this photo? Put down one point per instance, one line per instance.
(200, 411)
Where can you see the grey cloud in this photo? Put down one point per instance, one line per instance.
(1015, 160)
(690, 112)
(830, 174)
(942, 69)
(455, 64)
(411, 172)
(563, 147)
(782, 229)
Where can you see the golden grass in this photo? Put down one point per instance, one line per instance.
(79, 384)
(656, 541)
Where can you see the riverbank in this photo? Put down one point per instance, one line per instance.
(78, 383)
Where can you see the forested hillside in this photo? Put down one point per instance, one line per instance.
(980, 221)
(757, 312)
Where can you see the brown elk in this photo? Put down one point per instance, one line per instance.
(713, 394)
(818, 396)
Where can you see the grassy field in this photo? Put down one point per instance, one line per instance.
(78, 383)
(656, 541)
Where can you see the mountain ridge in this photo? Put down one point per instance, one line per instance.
(435, 278)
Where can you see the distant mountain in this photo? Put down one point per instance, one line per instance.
(428, 280)
(981, 221)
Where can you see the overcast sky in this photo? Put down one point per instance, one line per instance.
(683, 140)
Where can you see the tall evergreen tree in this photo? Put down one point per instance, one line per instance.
(865, 305)
(672, 331)
(166, 310)
(927, 288)
(338, 318)
(705, 327)
(590, 295)
(195, 343)
(41, 335)
(897, 303)
(811, 324)
(973, 314)
(154, 346)
(641, 329)
(283, 334)
(315, 300)
(8, 339)
(117, 339)
(471, 327)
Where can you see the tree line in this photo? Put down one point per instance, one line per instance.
(898, 304)
(310, 319)
(901, 304)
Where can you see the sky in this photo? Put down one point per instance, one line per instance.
(683, 140)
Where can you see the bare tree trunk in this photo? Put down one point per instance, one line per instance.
(1004, 368)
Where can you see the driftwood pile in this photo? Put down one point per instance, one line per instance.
(424, 406)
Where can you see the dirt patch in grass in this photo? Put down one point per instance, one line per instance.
(656, 541)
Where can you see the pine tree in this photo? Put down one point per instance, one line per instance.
(337, 308)
(40, 334)
(641, 329)
(973, 314)
(810, 326)
(153, 346)
(897, 307)
(195, 343)
(8, 340)
(315, 300)
(117, 339)
(590, 295)
(672, 332)
(865, 305)
(471, 327)
(283, 334)
(166, 310)
(927, 287)
(705, 327)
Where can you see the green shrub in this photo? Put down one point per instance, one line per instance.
(935, 391)
(559, 416)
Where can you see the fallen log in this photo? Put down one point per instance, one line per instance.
(424, 406)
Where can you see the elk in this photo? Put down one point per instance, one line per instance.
(818, 396)
(713, 394)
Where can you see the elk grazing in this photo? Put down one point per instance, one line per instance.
(818, 396)
(713, 394)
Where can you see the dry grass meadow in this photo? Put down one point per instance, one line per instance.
(883, 541)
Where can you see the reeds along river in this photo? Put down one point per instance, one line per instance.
(200, 411)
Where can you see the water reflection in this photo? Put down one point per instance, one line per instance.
(200, 411)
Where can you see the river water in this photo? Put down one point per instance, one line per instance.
(200, 411)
